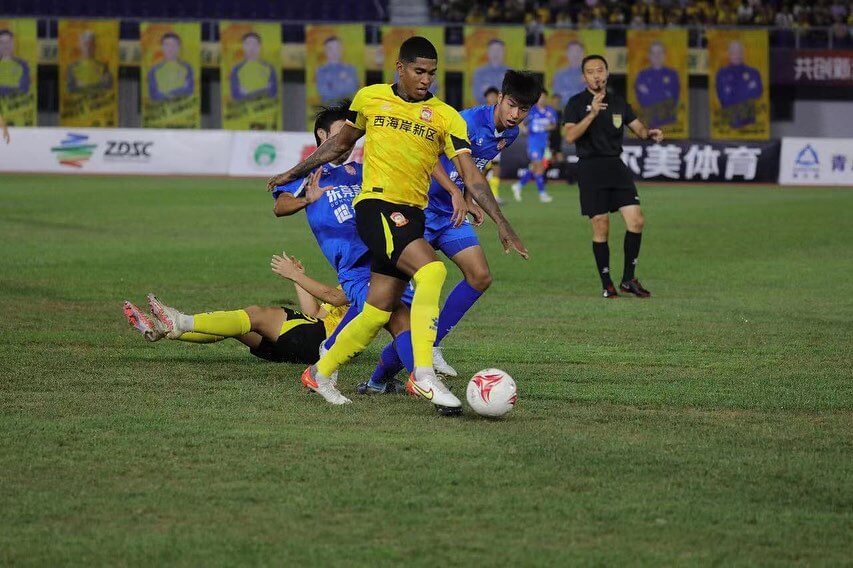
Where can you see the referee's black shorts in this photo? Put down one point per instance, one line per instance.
(605, 185)
(387, 228)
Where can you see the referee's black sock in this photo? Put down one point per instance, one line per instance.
(632, 252)
(602, 260)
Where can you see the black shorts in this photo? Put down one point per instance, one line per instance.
(387, 229)
(299, 344)
(605, 186)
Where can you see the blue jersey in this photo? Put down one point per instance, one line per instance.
(486, 143)
(332, 220)
(537, 123)
(657, 92)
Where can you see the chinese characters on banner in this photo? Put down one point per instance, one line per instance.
(657, 79)
(703, 161)
(816, 67)
(739, 84)
(88, 73)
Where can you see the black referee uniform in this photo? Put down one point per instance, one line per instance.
(604, 181)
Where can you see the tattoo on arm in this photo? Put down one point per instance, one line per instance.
(483, 194)
(325, 153)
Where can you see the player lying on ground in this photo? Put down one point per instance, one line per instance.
(538, 126)
(491, 128)
(406, 129)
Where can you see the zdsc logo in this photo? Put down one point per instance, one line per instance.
(122, 149)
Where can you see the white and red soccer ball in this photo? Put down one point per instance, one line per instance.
(492, 392)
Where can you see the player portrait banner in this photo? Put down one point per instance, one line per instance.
(18, 61)
(334, 65)
(658, 80)
(250, 75)
(739, 84)
(88, 73)
(171, 66)
(393, 36)
(564, 51)
(489, 53)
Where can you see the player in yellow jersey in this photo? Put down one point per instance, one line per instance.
(253, 77)
(172, 77)
(88, 72)
(406, 129)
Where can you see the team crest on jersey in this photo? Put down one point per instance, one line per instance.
(349, 169)
(617, 120)
(426, 114)
(399, 219)
(502, 144)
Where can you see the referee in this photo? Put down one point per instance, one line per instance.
(595, 123)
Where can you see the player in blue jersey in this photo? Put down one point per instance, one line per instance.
(657, 88)
(739, 88)
(538, 126)
(490, 129)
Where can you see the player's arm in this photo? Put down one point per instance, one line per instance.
(460, 208)
(476, 183)
(640, 131)
(291, 269)
(575, 130)
(287, 203)
(333, 148)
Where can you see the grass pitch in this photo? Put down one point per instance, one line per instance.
(712, 424)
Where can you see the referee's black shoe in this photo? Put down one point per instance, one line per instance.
(633, 286)
(610, 292)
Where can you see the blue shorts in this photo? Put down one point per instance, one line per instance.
(535, 153)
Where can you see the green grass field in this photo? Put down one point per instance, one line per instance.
(712, 424)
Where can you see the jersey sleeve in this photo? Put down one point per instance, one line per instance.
(355, 116)
(630, 115)
(456, 139)
(573, 111)
(294, 188)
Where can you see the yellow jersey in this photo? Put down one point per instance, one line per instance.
(334, 315)
(402, 143)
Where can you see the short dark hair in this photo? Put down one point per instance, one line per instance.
(170, 35)
(593, 57)
(523, 86)
(247, 35)
(329, 115)
(491, 91)
(415, 47)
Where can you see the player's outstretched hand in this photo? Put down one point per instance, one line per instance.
(313, 191)
(510, 240)
(460, 209)
(277, 180)
(656, 134)
(286, 267)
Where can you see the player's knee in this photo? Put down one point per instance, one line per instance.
(254, 313)
(480, 279)
(636, 223)
(600, 225)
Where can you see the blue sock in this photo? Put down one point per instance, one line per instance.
(394, 357)
(525, 177)
(459, 301)
(540, 182)
(344, 321)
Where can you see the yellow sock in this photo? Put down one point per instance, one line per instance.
(495, 184)
(233, 323)
(352, 339)
(428, 282)
(193, 337)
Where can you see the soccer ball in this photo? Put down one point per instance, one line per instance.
(491, 392)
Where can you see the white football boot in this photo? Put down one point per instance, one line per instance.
(323, 387)
(140, 321)
(323, 351)
(431, 388)
(516, 191)
(441, 366)
(169, 317)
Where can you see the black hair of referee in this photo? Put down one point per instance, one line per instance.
(595, 123)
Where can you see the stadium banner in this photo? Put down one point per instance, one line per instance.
(739, 84)
(265, 154)
(88, 73)
(816, 161)
(564, 51)
(674, 161)
(489, 52)
(658, 80)
(393, 36)
(812, 67)
(171, 74)
(334, 65)
(18, 72)
(250, 75)
(140, 151)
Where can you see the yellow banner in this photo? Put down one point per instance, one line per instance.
(171, 74)
(393, 36)
(250, 75)
(88, 73)
(489, 53)
(18, 73)
(657, 79)
(738, 64)
(334, 65)
(564, 51)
